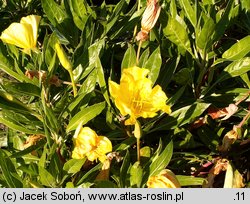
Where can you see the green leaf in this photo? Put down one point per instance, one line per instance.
(224, 20)
(204, 37)
(79, 10)
(190, 180)
(94, 51)
(124, 145)
(126, 25)
(154, 64)
(245, 5)
(23, 88)
(124, 170)
(73, 165)
(46, 178)
(8, 171)
(85, 115)
(101, 80)
(7, 66)
(177, 34)
(129, 59)
(105, 184)
(167, 72)
(189, 11)
(182, 116)
(238, 50)
(136, 173)
(115, 15)
(235, 69)
(209, 138)
(29, 150)
(10, 102)
(144, 58)
(245, 78)
(160, 161)
(171, 101)
(17, 126)
(65, 27)
(54, 12)
(87, 176)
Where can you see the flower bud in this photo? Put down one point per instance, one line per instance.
(166, 179)
(63, 58)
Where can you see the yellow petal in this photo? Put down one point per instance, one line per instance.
(33, 20)
(166, 179)
(19, 35)
(131, 120)
(114, 89)
(23, 34)
(86, 136)
(88, 144)
(136, 72)
(104, 145)
(135, 96)
(159, 98)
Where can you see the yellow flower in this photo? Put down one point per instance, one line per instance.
(88, 144)
(23, 34)
(149, 19)
(63, 58)
(136, 97)
(166, 179)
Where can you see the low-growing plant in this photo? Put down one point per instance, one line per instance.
(115, 94)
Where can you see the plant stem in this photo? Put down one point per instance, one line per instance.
(73, 82)
(138, 52)
(138, 150)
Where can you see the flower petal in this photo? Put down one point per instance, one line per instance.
(19, 35)
(136, 72)
(33, 20)
(114, 88)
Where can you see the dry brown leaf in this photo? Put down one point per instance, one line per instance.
(219, 166)
(222, 112)
(238, 180)
(228, 140)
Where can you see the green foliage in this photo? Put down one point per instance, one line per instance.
(198, 52)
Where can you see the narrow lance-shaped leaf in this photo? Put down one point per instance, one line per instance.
(73, 165)
(189, 11)
(238, 50)
(154, 64)
(136, 173)
(85, 115)
(129, 59)
(182, 116)
(8, 172)
(177, 34)
(101, 80)
(115, 15)
(204, 38)
(161, 161)
(79, 11)
(54, 12)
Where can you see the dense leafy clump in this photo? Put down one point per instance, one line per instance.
(124, 93)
